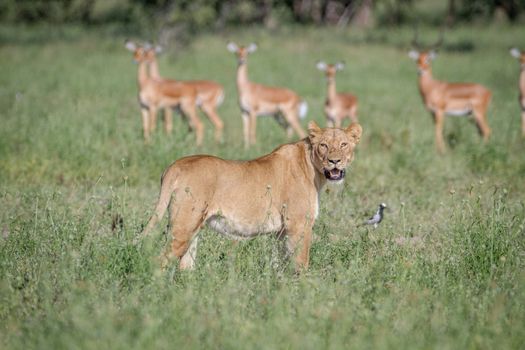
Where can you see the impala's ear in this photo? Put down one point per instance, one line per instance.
(130, 45)
(321, 66)
(232, 47)
(432, 55)
(515, 52)
(413, 54)
(339, 65)
(251, 48)
(159, 49)
(354, 131)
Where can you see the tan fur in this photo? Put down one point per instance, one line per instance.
(156, 94)
(276, 193)
(209, 95)
(442, 98)
(256, 99)
(520, 55)
(338, 106)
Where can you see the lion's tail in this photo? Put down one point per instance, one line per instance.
(166, 190)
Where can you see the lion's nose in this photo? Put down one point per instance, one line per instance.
(334, 161)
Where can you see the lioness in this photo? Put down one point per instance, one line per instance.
(275, 193)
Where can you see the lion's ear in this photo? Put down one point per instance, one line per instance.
(313, 129)
(354, 131)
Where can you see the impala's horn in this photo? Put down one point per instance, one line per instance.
(439, 41)
(415, 41)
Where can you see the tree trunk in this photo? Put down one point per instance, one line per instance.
(364, 14)
(451, 13)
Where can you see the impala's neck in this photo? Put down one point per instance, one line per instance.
(426, 81)
(242, 75)
(331, 89)
(154, 69)
(143, 73)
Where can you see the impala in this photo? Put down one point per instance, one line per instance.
(454, 99)
(338, 106)
(520, 55)
(156, 94)
(258, 100)
(210, 94)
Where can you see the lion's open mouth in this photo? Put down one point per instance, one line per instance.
(334, 174)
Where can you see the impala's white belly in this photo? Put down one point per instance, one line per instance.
(262, 109)
(459, 112)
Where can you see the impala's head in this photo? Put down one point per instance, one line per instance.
(333, 149)
(520, 55)
(423, 55)
(152, 51)
(423, 59)
(241, 52)
(140, 53)
(330, 69)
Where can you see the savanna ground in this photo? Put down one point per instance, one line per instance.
(77, 184)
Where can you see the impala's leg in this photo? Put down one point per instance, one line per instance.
(253, 127)
(185, 118)
(523, 123)
(188, 108)
(329, 118)
(153, 118)
(329, 122)
(481, 122)
(293, 120)
(299, 241)
(353, 114)
(185, 221)
(168, 120)
(211, 112)
(145, 124)
(246, 129)
(438, 123)
(338, 121)
(289, 131)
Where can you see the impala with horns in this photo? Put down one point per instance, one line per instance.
(210, 94)
(338, 106)
(258, 100)
(157, 94)
(455, 99)
(520, 55)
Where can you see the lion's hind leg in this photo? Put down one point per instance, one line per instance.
(185, 221)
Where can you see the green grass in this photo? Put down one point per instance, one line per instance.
(445, 269)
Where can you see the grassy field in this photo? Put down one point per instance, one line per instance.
(444, 270)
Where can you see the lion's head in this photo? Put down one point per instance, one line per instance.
(333, 149)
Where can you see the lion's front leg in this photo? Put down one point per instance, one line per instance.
(299, 235)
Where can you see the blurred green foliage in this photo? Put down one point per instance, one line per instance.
(196, 15)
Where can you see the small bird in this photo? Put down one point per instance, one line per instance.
(377, 217)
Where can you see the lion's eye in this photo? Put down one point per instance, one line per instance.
(344, 144)
(324, 145)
